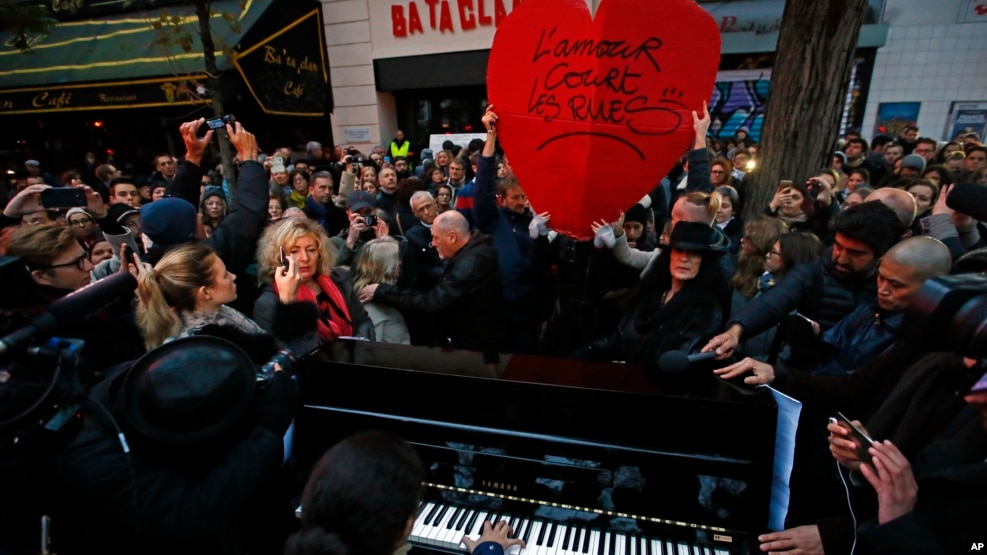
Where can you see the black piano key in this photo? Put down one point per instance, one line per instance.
(461, 523)
(522, 526)
(421, 507)
(471, 521)
(602, 545)
(567, 540)
(453, 518)
(431, 514)
(627, 545)
(541, 534)
(527, 530)
(493, 518)
(586, 535)
(612, 550)
(551, 535)
(440, 515)
(514, 525)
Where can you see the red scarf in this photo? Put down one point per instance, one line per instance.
(334, 316)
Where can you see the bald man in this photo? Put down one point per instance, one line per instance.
(900, 201)
(873, 327)
(464, 307)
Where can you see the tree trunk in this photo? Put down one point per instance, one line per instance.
(809, 82)
(212, 85)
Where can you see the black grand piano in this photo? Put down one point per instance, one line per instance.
(582, 458)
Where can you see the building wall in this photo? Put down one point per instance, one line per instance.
(932, 56)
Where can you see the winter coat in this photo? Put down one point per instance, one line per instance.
(465, 306)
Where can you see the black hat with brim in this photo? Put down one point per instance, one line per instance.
(189, 390)
(694, 236)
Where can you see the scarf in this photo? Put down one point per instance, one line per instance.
(798, 218)
(334, 316)
(297, 199)
(193, 321)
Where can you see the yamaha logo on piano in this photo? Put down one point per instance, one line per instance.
(502, 486)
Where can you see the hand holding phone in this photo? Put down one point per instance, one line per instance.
(858, 435)
(63, 197)
(283, 257)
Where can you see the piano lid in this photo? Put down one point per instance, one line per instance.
(597, 436)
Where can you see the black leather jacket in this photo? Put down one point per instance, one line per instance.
(465, 305)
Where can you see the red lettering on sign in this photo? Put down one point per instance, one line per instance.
(467, 20)
(414, 21)
(485, 19)
(445, 18)
(981, 9)
(500, 12)
(431, 12)
(399, 28)
(727, 23)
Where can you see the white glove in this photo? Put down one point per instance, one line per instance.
(645, 201)
(538, 227)
(605, 238)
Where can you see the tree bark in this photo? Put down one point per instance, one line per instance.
(212, 85)
(809, 81)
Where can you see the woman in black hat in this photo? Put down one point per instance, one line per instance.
(674, 308)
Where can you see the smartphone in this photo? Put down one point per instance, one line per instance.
(387, 159)
(370, 220)
(277, 164)
(217, 123)
(804, 317)
(129, 255)
(63, 197)
(859, 437)
(284, 257)
(784, 184)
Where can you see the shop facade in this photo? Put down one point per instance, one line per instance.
(420, 65)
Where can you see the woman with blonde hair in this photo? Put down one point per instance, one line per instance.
(187, 290)
(379, 263)
(309, 276)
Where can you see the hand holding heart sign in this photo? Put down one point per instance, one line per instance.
(594, 111)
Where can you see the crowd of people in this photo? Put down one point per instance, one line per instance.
(445, 250)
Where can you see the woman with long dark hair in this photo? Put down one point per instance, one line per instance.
(679, 304)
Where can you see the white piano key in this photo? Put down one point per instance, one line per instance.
(620, 541)
(558, 538)
(477, 527)
(656, 547)
(594, 542)
(532, 547)
(420, 521)
(684, 549)
(438, 528)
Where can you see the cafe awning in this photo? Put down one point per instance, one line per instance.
(149, 58)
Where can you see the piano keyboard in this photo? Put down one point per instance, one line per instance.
(443, 526)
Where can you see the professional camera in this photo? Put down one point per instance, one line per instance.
(950, 314)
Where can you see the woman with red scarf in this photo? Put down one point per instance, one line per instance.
(309, 276)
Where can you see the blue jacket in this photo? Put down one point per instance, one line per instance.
(856, 339)
(509, 231)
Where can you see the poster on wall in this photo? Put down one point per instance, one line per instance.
(966, 117)
(892, 117)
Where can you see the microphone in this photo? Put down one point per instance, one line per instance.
(677, 362)
(969, 199)
(72, 307)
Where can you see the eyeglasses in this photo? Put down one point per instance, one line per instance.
(79, 263)
(81, 222)
(773, 253)
(717, 171)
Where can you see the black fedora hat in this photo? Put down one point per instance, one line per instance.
(189, 390)
(695, 236)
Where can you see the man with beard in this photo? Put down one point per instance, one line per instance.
(826, 290)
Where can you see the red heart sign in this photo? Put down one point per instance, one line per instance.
(595, 110)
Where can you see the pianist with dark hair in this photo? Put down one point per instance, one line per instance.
(362, 498)
(675, 307)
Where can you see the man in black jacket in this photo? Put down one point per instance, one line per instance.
(465, 305)
(828, 289)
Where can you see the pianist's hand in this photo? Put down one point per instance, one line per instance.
(804, 540)
(499, 533)
(763, 373)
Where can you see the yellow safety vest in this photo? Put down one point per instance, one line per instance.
(400, 150)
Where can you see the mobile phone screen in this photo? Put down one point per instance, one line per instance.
(859, 437)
